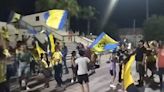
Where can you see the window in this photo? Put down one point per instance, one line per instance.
(37, 18)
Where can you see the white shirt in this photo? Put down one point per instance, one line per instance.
(82, 63)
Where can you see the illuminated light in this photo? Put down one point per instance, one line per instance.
(111, 7)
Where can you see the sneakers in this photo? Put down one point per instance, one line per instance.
(112, 85)
(72, 81)
(27, 88)
(23, 83)
(120, 90)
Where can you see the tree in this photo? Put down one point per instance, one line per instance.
(44, 5)
(70, 5)
(88, 13)
(154, 28)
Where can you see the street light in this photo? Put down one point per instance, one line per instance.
(109, 11)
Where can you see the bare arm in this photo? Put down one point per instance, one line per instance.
(157, 62)
(73, 61)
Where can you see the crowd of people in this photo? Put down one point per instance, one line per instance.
(148, 56)
(28, 62)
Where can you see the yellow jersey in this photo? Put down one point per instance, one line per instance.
(57, 58)
(45, 65)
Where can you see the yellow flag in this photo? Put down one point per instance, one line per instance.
(126, 73)
(52, 44)
(39, 49)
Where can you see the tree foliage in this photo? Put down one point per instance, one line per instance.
(87, 12)
(44, 5)
(69, 5)
(154, 28)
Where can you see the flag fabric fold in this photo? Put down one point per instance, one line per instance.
(42, 46)
(126, 73)
(51, 43)
(103, 43)
(56, 18)
(39, 49)
(32, 31)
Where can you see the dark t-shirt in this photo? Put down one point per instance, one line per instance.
(140, 53)
(121, 54)
(26, 57)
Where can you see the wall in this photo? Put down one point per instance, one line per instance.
(133, 38)
(31, 19)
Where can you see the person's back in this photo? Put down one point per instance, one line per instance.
(82, 63)
(160, 60)
(82, 71)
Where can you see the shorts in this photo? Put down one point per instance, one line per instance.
(83, 78)
(24, 70)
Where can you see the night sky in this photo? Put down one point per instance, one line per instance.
(128, 10)
(124, 14)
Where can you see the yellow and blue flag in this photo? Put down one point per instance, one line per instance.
(56, 18)
(51, 43)
(103, 43)
(126, 73)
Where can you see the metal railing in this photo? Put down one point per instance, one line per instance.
(65, 38)
(85, 42)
